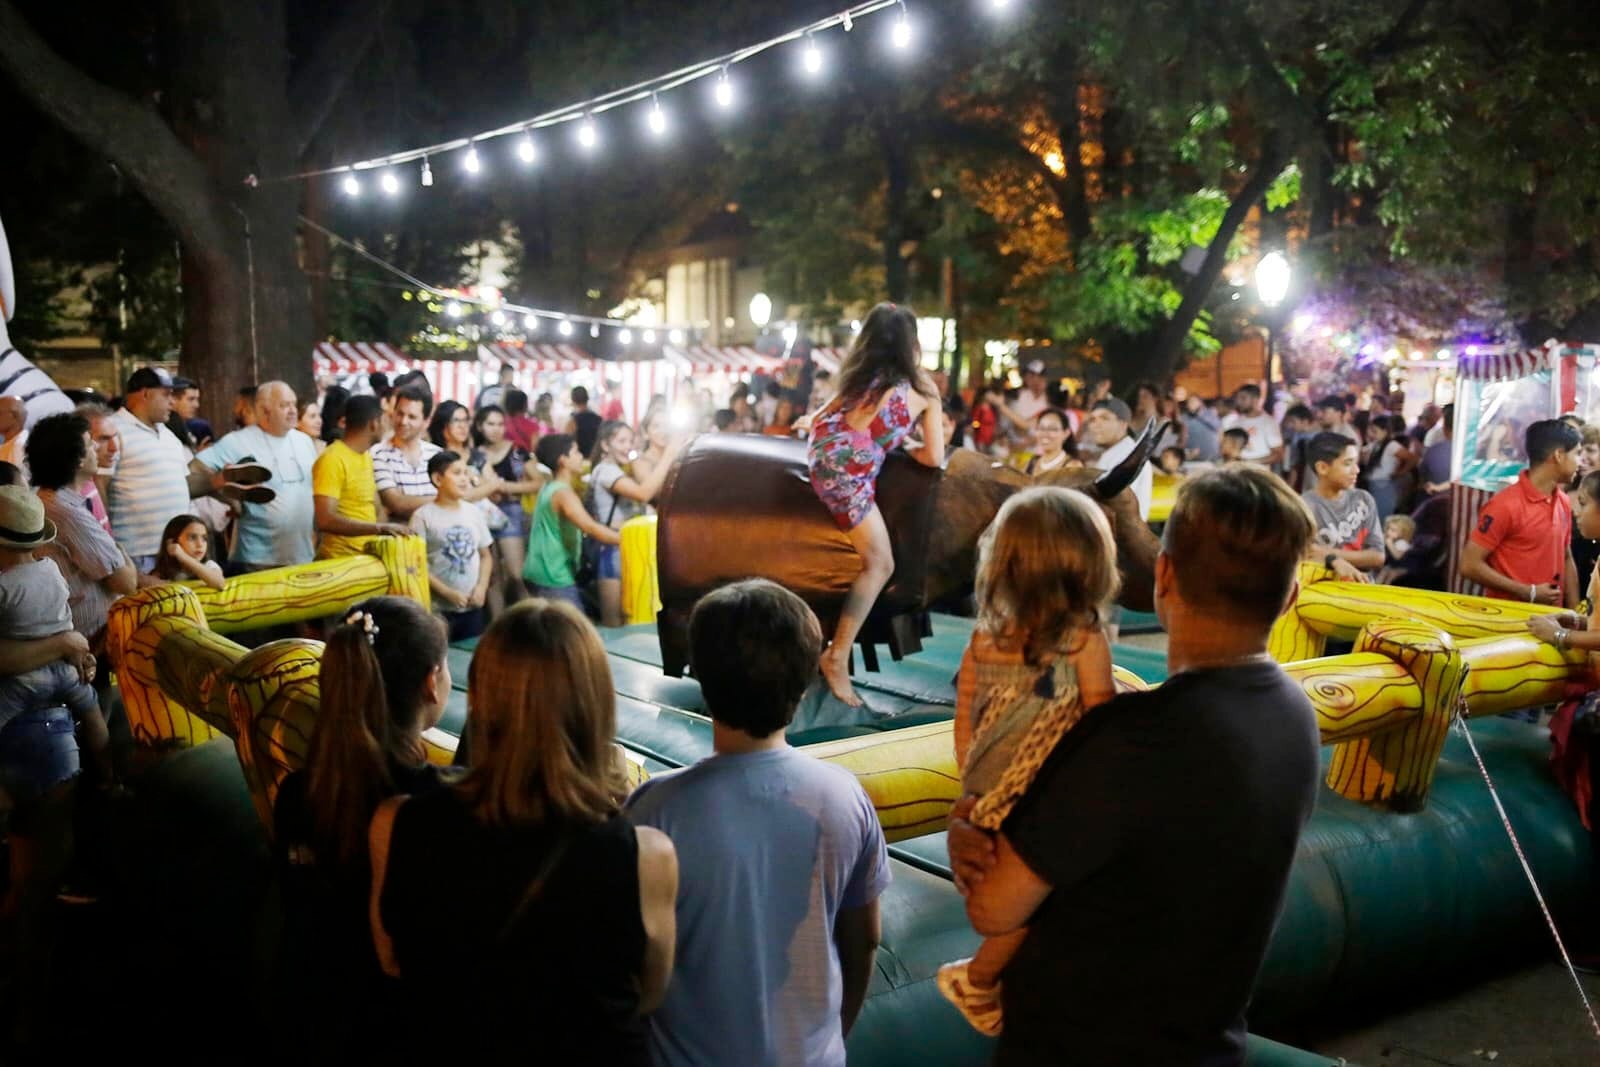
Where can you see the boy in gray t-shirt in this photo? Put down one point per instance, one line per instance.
(781, 856)
(33, 605)
(1349, 538)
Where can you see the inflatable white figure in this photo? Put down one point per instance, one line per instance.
(18, 377)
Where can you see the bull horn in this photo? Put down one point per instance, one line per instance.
(1118, 478)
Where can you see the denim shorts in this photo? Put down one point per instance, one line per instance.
(609, 564)
(566, 593)
(38, 751)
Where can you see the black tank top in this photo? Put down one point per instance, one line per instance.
(558, 984)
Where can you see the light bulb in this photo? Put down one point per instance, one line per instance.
(527, 151)
(471, 163)
(658, 118)
(625, 336)
(389, 183)
(811, 58)
(649, 337)
(453, 309)
(594, 330)
(900, 36)
(427, 173)
(530, 323)
(588, 136)
(724, 90)
(351, 185)
(855, 325)
(565, 328)
(999, 5)
(498, 318)
(676, 337)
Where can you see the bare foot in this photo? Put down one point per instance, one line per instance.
(836, 672)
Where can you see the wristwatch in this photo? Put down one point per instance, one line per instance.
(1327, 561)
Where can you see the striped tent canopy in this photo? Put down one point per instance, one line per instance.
(704, 359)
(829, 359)
(358, 357)
(535, 357)
(1508, 364)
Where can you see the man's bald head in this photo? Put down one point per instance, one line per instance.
(276, 413)
(13, 416)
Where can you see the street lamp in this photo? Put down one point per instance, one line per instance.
(761, 310)
(1272, 285)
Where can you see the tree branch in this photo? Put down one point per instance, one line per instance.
(1274, 157)
(320, 81)
(106, 120)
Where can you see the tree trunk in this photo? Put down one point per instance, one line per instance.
(897, 188)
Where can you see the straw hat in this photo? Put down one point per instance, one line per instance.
(22, 522)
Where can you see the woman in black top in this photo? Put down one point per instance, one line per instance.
(522, 891)
(384, 680)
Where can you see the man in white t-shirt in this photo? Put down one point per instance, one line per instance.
(1029, 402)
(1265, 447)
(1107, 428)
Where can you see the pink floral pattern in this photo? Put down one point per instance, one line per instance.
(845, 462)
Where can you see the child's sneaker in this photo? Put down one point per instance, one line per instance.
(979, 1005)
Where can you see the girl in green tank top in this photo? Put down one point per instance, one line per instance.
(560, 520)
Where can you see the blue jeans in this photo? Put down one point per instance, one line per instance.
(566, 593)
(610, 562)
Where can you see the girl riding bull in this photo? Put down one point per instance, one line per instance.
(882, 393)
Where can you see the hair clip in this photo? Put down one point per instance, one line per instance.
(368, 624)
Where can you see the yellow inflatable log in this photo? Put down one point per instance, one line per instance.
(1356, 695)
(1510, 673)
(273, 694)
(135, 627)
(393, 566)
(1328, 608)
(641, 583)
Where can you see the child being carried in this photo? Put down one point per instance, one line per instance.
(1037, 661)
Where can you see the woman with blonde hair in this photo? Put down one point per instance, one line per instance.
(561, 924)
(1037, 661)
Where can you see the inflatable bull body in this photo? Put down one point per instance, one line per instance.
(19, 377)
(741, 506)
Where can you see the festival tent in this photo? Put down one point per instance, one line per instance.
(536, 368)
(1498, 394)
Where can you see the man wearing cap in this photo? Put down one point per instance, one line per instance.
(149, 486)
(279, 528)
(1107, 429)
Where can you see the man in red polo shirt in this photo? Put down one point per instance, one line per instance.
(1521, 545)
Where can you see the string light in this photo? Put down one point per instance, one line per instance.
(900, 35)
(724, 90)
(588, 135)
(427, 173)
(530, 323)
(624, 336)
(594, 330)
(527, 151)
(676, 337)
(658, 118)
(999, 6)
(351, 185)
(389, 183)
(453, 309)
(498, 318)
(811, 58)
(565, 328)
(649, 337)
(471, 164)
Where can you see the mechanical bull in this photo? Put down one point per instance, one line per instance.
(741, 506)
(18, 377)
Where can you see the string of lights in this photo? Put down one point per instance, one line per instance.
(582, 117)
(504, 313)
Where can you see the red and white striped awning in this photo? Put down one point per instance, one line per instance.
(704, 359)
(536, 357)
(346, 357)
(829, 359)
(1508, 365)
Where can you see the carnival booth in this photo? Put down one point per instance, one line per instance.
(1498, 395)
(720, 369)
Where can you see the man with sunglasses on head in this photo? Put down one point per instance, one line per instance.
(277, 517)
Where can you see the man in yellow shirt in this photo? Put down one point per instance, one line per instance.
(342, 486)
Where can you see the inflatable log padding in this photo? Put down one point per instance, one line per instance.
(388, 566)
(135, 628)
(1328, 608)
(741, 506)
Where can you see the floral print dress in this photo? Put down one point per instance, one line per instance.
(845, 462)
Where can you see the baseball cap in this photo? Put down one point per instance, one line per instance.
(148, 378)
(1034, 367)
(1116, 406)
(180, 383)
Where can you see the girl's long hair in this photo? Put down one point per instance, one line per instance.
(371, 689)
(883, 356)
(441, 422)
(1047, 566)
(482, 416)
(169, 568)
(541, 752)
(608, 430)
